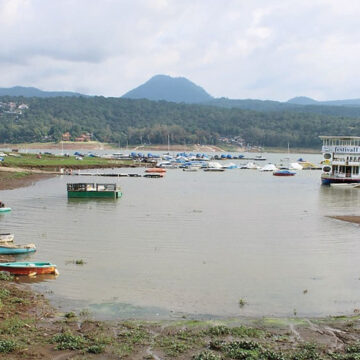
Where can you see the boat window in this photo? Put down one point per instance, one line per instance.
(356, 170)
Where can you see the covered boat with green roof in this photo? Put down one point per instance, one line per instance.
(92, 190)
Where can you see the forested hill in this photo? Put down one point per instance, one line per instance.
(144, 121)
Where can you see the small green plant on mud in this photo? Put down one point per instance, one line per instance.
(68, 341)
(70, 315)
(7, 346)
(242, 303)
(207, 355)
(6, 276)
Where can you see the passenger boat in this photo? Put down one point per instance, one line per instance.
(11, 249)
(341, 159)
(6, 237)
(284, 172)
(29, 268)
(91, 190)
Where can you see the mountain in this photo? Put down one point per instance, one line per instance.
(302, 100)
(163, 87)
(34, 92)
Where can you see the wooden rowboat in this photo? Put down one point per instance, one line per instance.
(6, 237)
(11, 249)
(29, 268)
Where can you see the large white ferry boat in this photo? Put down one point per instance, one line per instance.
(341, 159)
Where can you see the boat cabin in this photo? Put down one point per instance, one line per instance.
(93, 190)
(341, 159)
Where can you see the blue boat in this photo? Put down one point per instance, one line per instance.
(11, 249)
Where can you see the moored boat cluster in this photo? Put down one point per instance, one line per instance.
(7, 247)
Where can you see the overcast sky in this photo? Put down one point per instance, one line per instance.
(265, 49)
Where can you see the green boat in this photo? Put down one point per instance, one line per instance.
(5, 209)
(94, 191)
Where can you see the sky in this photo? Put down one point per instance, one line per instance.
(259, 49)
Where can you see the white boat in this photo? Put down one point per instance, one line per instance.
(295, 166)
(341, 163)
(269, 167)
(6, 237)
(250, 166)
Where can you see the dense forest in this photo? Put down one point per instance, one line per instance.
(119, 120)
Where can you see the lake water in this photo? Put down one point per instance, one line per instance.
(195, 244)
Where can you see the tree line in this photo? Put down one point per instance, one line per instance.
(134, 122)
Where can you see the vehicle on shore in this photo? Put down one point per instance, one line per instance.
(341, 159)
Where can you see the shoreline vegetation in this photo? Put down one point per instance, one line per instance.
(30, 328)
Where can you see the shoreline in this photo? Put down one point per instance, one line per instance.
(31, 328)
(94, 145)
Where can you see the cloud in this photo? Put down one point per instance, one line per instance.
(260, 49)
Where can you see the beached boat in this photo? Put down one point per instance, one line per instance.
(341, 159)
(284, 172)
(91, 190)
(29, 268)
(6, 237)
(11, 249)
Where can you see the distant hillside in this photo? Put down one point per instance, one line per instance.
(303, 100)
(34, 92)
(163, 87)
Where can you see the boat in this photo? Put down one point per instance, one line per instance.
(6, 237)
(269, 167)
(92, 190)
(154, 175)
(4, 209)
(155, 170)
(29, 268)
(11, 249)
(341, 163)
(213, 169)
(284, 172)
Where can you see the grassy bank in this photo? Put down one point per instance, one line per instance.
(31, 329)
(52, 162)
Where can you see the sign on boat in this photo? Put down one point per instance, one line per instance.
(92, 190)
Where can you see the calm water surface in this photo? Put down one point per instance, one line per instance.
(195, 243)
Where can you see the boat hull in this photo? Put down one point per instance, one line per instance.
(95, 194)
(4, 250)
(28, 268)
(327, 180)
(5, 210)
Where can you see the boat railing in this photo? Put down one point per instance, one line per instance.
(92, 187)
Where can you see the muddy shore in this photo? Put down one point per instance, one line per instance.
(349, 218)
(32, 329)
